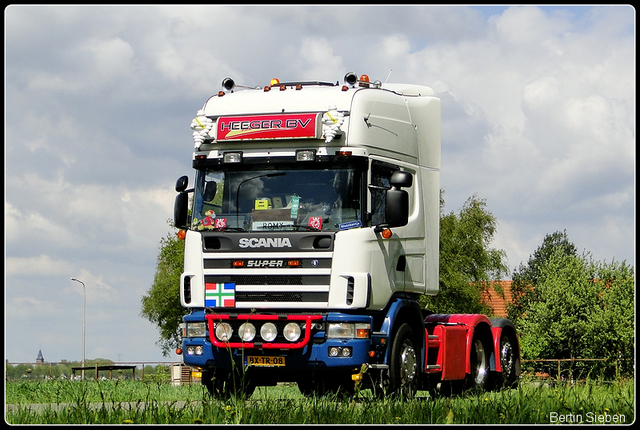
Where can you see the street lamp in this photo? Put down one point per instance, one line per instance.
(84, 317)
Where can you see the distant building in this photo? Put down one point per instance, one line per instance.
(496, 302)
(39, 358)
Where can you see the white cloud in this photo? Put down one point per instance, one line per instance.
(42, 265)
(317, 58)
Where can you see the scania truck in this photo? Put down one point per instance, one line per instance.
(311, 232)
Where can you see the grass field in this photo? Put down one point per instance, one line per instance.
(135, 402)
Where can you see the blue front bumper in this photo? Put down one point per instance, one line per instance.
(314, 355)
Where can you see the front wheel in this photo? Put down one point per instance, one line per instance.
(404, 369)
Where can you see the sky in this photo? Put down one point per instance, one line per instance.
(538, 120)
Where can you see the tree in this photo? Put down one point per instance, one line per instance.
(613, 334)
(555, 323)
(467, 263)
(572, 307)
(525, 278)
(162, 305)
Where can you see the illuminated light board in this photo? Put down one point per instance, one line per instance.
(276, 126)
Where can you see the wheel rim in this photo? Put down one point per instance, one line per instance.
(506, 356)
(408, 364)
(481, 362)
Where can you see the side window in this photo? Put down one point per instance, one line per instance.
(380, 176)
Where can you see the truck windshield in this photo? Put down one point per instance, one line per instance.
(275, 200)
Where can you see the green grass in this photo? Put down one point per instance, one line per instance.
(120, 402)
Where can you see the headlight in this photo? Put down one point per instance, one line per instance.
(196, 329)
(268, 332)
(348, 331)
(247, 332)
(340, 330)
(223, 332)
(292, 332)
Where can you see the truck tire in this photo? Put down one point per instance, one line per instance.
(404, 368)
(479, 357)
(509, 362)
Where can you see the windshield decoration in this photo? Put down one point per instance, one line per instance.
(351, 224)
(219, 295)
(331, 122)
(202, 127)
(277, 126)
(310, 199)
(315, 222)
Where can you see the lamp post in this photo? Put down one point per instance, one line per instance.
(84, 317)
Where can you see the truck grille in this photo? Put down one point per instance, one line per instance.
(274, 286)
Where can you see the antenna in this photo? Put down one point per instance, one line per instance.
(366, 118)
(388, 76)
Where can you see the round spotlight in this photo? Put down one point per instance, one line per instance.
(292, 332)
(268, 332)
(247, 332)
(223, 332)
(350, 78)
(228, 84)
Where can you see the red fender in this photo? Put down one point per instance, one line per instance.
(470, 321)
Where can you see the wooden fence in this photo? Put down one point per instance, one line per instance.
(570, 371)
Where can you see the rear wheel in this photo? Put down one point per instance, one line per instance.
(479, 358)
(509, 361)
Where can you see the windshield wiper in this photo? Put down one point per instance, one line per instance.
(307, 227)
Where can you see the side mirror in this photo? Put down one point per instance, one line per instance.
(180, 210)
(181, 204)
(181, 183)
(400, 179)
(397, 200)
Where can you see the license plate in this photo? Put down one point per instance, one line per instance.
(265, 361)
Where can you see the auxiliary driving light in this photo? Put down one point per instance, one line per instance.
(223, 332)
(247, 332)
(306, 155)
(232, 157)
(268, 332)
(292, 332)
